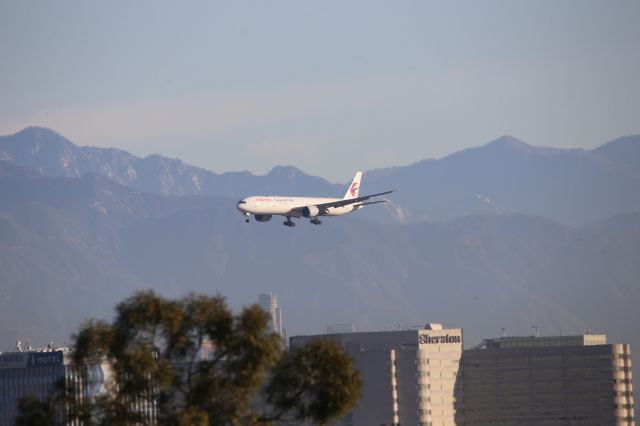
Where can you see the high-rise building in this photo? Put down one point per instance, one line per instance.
(409, 377)
(563, 380)
(28, 373)
(36, 372)
(269, 302)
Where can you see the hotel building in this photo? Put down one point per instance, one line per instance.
(27, 373)
(35, 373)
(410, 377)
(565, 380)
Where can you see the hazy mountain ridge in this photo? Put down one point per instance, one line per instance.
(72, 247)
(53, 155)
(504, 176)
(508, 176)
(624, 152)
(58, 237)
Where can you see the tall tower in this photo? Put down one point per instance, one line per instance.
(269, 302)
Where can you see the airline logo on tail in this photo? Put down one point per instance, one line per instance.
(353, 189)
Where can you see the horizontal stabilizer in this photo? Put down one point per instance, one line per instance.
(370, 202)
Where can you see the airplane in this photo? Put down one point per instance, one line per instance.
(264, 207)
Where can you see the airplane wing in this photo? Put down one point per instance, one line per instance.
(345, 202)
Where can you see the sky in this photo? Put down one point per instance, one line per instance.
(328, 86)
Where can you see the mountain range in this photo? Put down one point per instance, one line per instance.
(76, 237)
(53, 155)
(573, 187)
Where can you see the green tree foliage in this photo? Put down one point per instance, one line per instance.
(35, 412)
(202, 365)
(310, 383)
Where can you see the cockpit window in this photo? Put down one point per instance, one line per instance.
(242, 202)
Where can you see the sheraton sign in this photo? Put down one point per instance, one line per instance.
(425, 339)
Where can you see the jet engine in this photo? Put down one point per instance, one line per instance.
(263, 217)
(310, 211)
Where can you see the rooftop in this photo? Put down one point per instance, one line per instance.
(546, 341)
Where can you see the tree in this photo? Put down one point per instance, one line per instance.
(313, 382)
(35, 412)
(202, 365)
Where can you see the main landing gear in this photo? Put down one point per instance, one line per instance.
(291, 223)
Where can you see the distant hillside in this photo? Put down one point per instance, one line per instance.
(623, 152)
(508, 176)
(53, 155)
(505, 176)
(70, 248)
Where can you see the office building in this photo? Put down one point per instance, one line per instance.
(564, 380)
(269, 302)
(409, 377)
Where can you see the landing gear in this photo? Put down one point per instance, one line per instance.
(246, 217)
(289, 222)
(316, 221)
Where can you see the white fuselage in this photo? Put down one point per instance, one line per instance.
(289, 206)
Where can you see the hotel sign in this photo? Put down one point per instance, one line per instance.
(425, 339)
(45, 359)
(30, 359)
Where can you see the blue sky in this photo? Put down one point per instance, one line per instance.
(328, 86)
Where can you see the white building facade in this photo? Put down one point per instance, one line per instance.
(269, 303)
